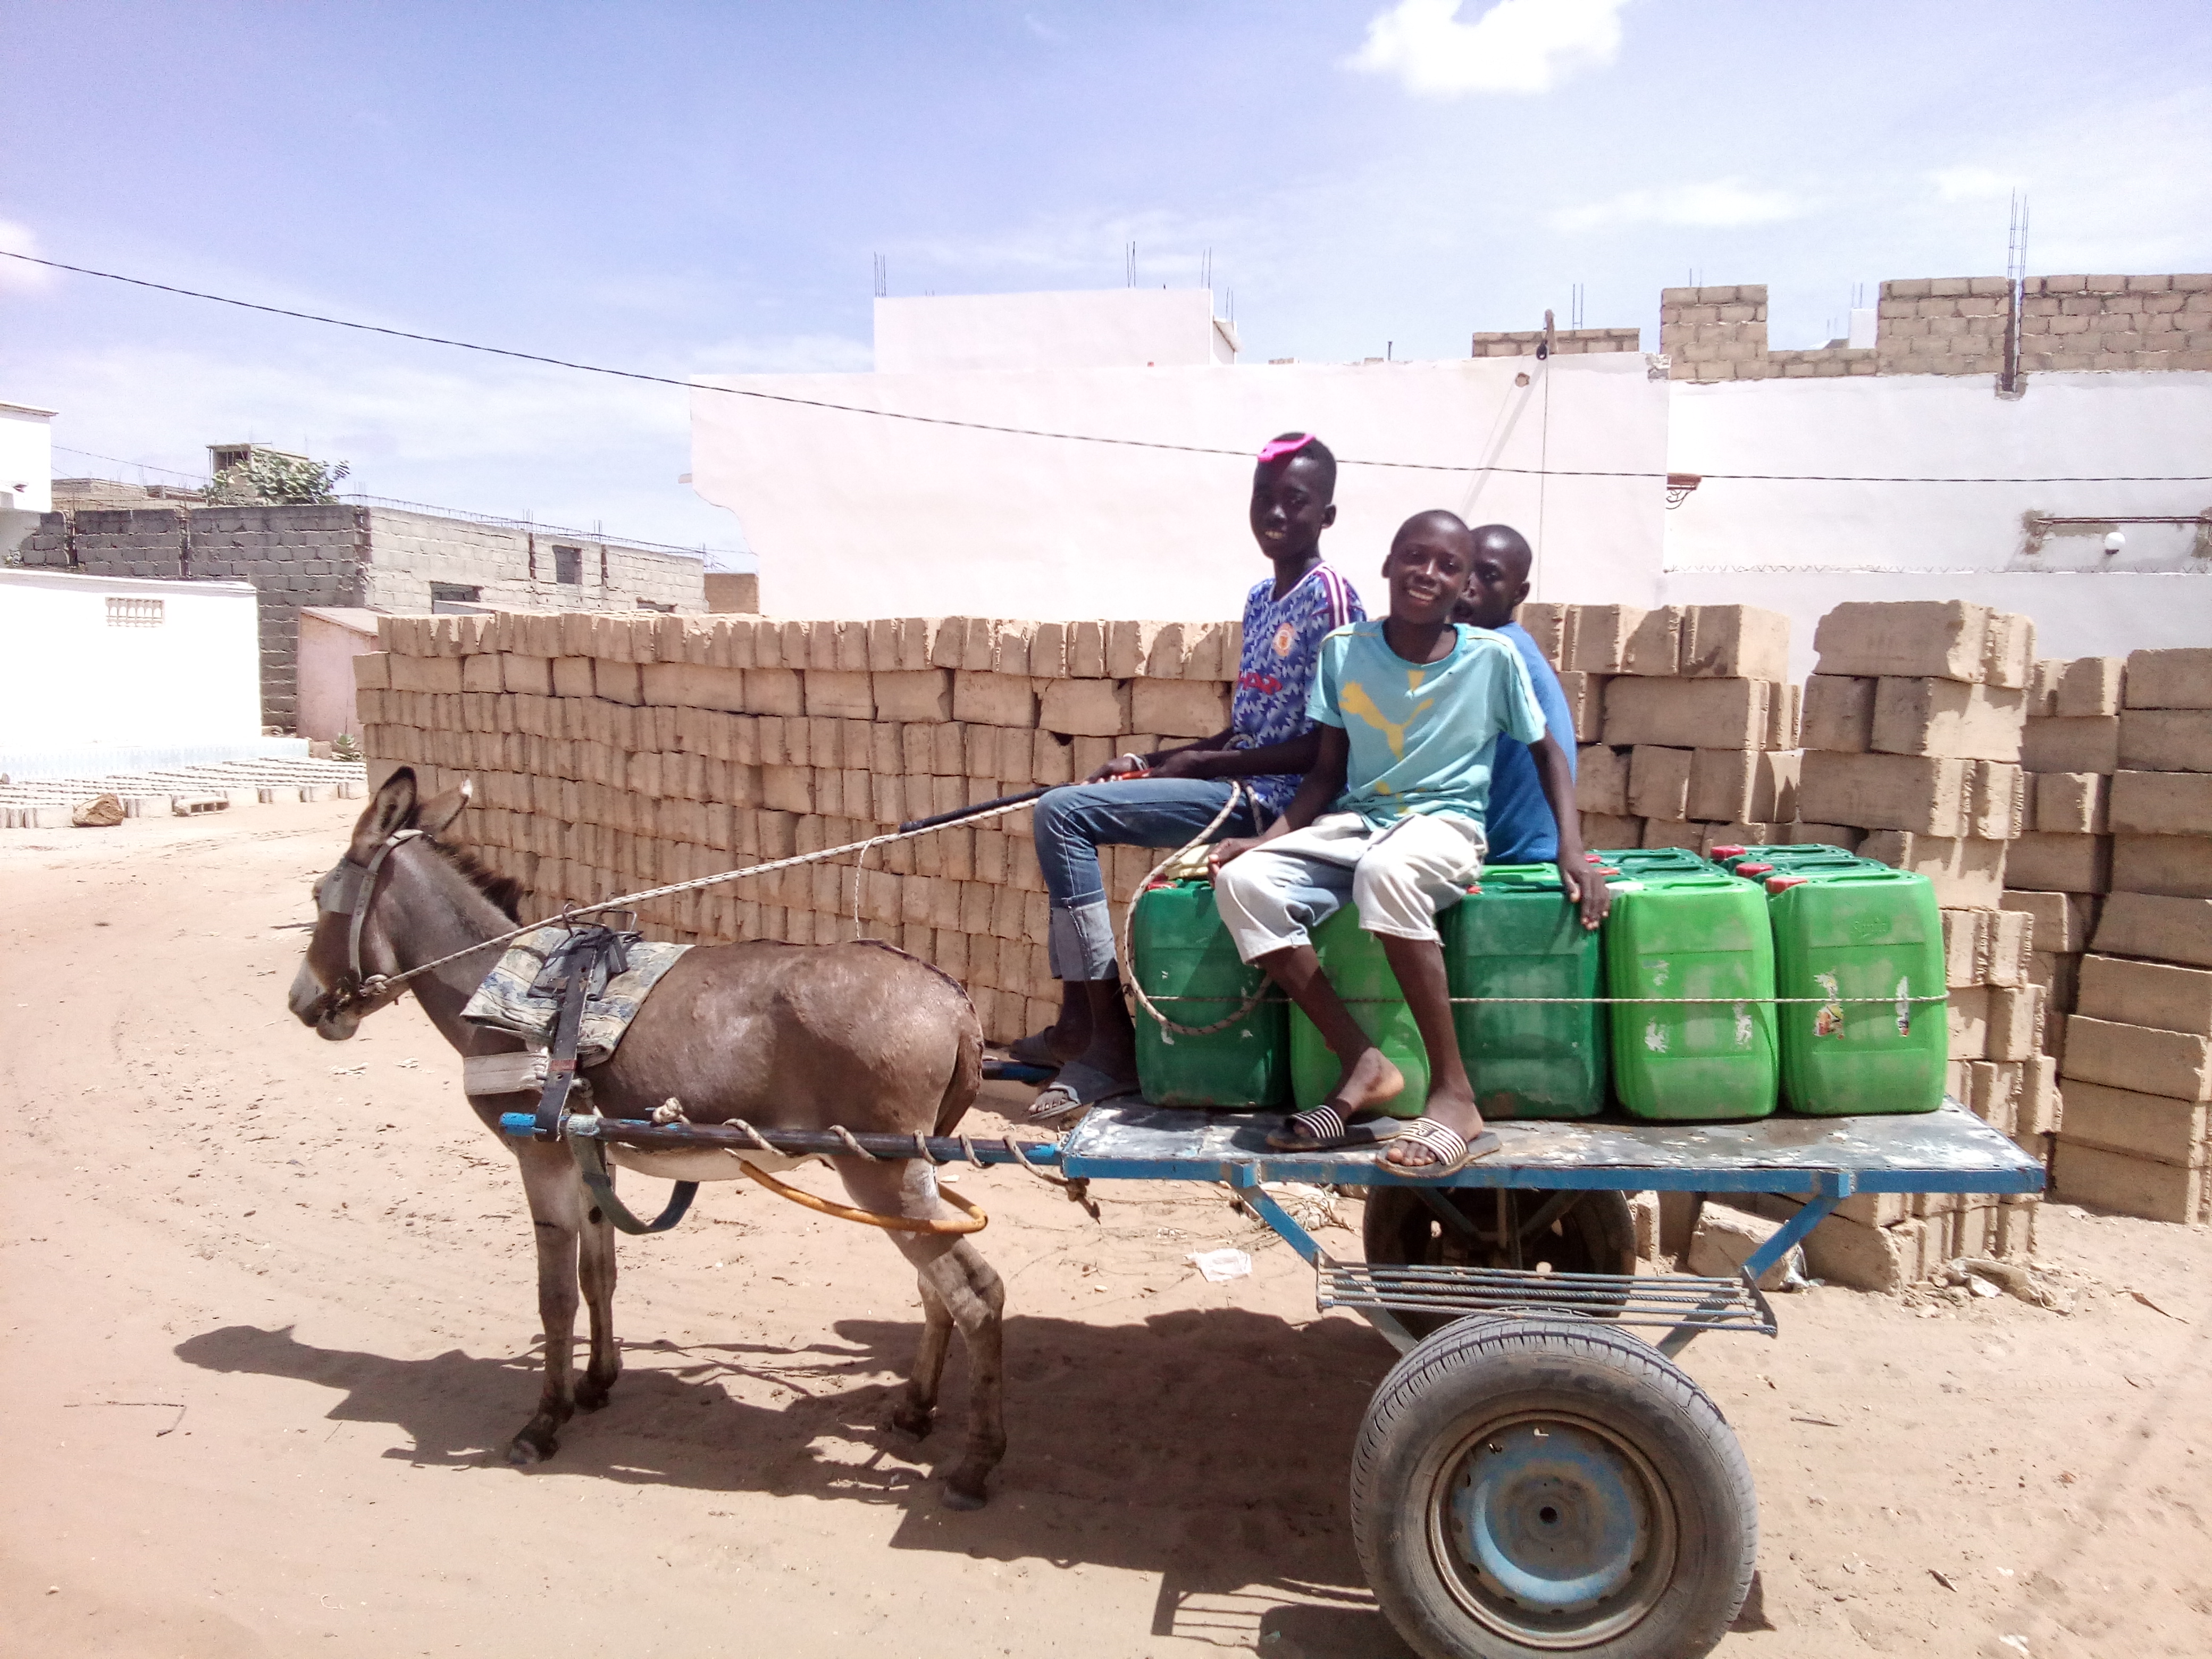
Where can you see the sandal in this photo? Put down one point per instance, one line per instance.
(1324, 1130)
(1448, 1151)
(1076, 1089)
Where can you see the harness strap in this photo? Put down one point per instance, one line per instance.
(593, 1167)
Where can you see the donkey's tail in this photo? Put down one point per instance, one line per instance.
(967, 1071)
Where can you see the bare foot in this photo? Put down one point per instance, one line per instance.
(1448, 1107)
(1366, 1083)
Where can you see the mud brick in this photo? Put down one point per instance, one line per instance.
(1654, 646)
(1585, 696)
(1993, 1093)
(1970, 1022)
(2061, 864)
(1611, 830)
(2088, 686)
(2008, 655)
(1086, 708)
(2180, 678)
(2070, 803)
(2039, 1104)
(1919, 793)
(948, 755)
(1086, 650)
(2166, 740)
(2140, 1125)
(2132, 1186)
(2177, 865)
(2162, 803)
(1756, 786)
(994, 699)
(2062, 920)
(2015, 1022)
(1735, 642)
(2162, 929)
(2088, 743)
(1997, 800)
(1010, 647)
(1839, 713)
(1925, 716)
(1128, 646)
(1740, 832)
(2160, 995)
(1886, 1259)
(1598, 636)
(616, 682)
(1176, 708)
(1672, 832)
(774, 691)
(429, 674)
(2004, 945)
(1967, 874)
(1659, 782)
(1782, 715)
(1962, 946)
(372, 671)
(1686, 714)
(1848, 837)
(1601, 779)
(2176, 1064)
(1947, 638)
(1545, 623)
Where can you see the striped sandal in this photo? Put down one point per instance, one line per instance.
(1324, 1130)
(1448, 1151)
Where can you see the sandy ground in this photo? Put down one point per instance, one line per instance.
(269, 1317)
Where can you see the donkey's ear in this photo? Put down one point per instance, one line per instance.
(439, 810)
(389, 810)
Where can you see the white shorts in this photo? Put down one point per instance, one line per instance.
(1398, 877)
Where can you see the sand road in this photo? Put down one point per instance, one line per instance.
(268, 1312)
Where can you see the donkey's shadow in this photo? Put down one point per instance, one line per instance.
(1210, 1446)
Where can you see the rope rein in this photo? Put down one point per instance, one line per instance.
(1237, 791)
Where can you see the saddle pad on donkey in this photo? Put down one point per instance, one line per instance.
(516, 997)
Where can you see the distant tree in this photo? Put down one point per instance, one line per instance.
(271, 480)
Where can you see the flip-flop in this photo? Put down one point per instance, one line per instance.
(1324, 1130)
(1448, 1151)
(1076, 1089)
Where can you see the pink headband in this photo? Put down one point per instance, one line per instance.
(1275, 448)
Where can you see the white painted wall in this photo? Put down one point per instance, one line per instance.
(1108, 328)
(27, 469)
(70, 680)
(857, 516)
(1803, 548)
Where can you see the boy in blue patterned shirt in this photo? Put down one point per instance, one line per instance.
(1167, 797)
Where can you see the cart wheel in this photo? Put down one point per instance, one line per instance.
(1539, 1486)
(1595, 1233)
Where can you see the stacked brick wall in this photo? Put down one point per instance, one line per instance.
(1942, 326)
(2137, 1048)
(1565, 341)
(1714, 333)
(2116, 322)
(612, 754)
(1685, 717)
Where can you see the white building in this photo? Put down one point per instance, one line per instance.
(26, 470)
(853, 514)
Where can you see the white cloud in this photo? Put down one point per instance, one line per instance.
(1972, 184)
(16, 276)
(1517, 45)
(1718, 203)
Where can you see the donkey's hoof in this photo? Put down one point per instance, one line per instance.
(532, 1445)
(591, 1397)
(912, 1421)
(959, 1497)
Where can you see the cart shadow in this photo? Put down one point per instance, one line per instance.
(1208, 1446)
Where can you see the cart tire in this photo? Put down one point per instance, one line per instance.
(1399, 1230)
(1527, 1487)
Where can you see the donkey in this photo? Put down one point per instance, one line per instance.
(782, 1036)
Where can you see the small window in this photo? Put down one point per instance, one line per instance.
(134, 613)
(569, 565)
(655, 605)
(455, 593)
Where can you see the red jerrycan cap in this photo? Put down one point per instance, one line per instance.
(1776, 884)
(1729, 852)
(1747, 870)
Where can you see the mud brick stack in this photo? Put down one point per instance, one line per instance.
(1685, 717)
(613, 753)
(2137, 1052)
(1913, 731)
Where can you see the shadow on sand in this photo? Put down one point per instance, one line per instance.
(1207, 1446)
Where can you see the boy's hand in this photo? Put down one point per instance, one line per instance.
(1179, 763)
(1122, 766)
(1225, 851)
(1583, 882)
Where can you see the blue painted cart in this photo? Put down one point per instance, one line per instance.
(1530, 1479)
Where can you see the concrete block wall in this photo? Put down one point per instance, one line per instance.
(1716, 332)
(2116, 322)
(515, 567)
(1942, 326)
(1566, 342)
(2137, 1049)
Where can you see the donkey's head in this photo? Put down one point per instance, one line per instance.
(351, 942)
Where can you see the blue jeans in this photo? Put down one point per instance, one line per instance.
(1071, 824)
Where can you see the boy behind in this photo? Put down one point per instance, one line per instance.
(1409, 711)
(1519, 824)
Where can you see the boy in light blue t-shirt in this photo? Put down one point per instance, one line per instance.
(1410, 710)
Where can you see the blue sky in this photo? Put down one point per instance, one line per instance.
(691, 188)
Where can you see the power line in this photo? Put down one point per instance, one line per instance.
(1064, 437)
